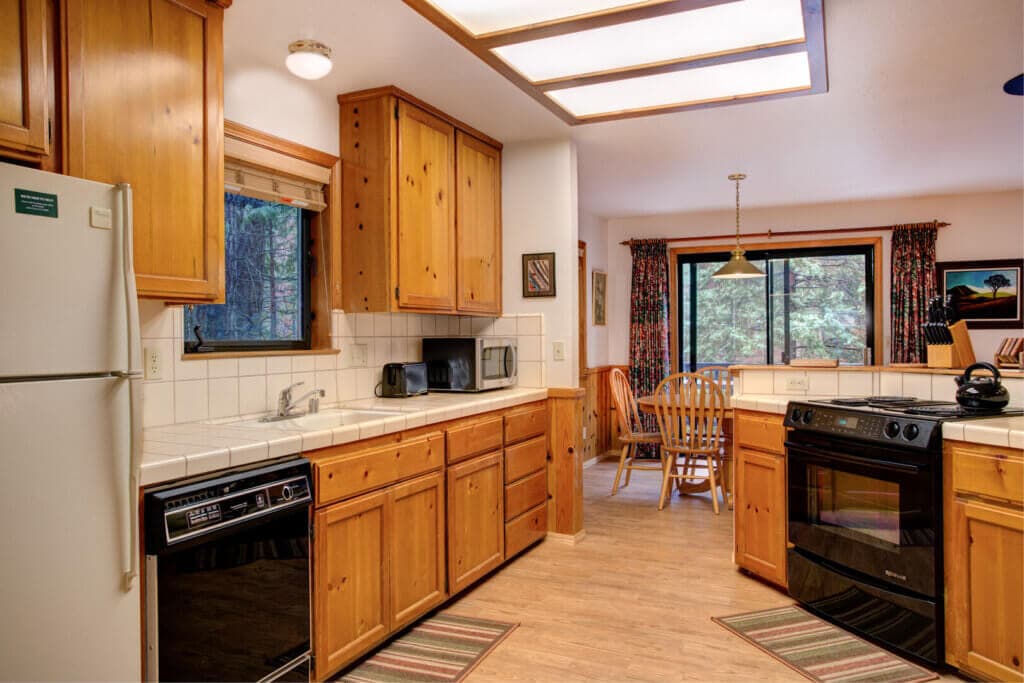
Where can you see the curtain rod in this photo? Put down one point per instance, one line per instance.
(770, 233)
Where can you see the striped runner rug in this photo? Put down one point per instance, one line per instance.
(444, 647)
(819, 650)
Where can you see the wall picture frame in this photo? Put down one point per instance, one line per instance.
(539, 275)
(987, 294)
(600, 297)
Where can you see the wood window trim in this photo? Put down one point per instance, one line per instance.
(879, 260)
(325, 228)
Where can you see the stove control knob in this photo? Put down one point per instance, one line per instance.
(797, 414)
(808, 416)
(911, 431)
(892, 429)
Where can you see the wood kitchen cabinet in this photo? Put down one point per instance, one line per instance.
(26, 99)
(760, 496)
(145, 106)
(476, 524)
(983, 493)
(416, 548)
(421, 208)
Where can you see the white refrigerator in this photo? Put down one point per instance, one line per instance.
(70, 430)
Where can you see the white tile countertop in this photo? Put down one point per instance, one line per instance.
(992, 431)
(181, 450)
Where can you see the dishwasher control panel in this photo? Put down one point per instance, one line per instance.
(205, 506)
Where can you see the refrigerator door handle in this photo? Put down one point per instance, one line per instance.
(134, 375)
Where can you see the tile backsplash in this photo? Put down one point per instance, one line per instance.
(192, 390)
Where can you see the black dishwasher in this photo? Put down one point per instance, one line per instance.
(227, 576)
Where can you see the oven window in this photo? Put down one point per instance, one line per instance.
(855, 505)
(493, 361)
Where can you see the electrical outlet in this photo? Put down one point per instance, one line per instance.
(358, 355)
(559, 350)
(796, 383)
(154, 363)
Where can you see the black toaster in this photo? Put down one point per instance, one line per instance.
(402, 380)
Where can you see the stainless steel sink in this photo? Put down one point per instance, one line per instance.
(325, 419)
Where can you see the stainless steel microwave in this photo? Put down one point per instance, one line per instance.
(470, 363)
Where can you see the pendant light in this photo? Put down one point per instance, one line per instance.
(738, 266)
(309, 59)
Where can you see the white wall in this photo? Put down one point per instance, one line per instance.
(984, 226)
(594, 231)
(539, 214)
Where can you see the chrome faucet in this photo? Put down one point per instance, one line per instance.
(286, 405)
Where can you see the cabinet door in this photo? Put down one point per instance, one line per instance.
(478, 225)
(476, 525)
(986, 607)
(350, 578)
(24, 98)
(425, 248)
(761, 514)
(416, 547)
(145, 107)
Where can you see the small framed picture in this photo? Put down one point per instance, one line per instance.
(539, 274)
(600, 288)
(986, 293)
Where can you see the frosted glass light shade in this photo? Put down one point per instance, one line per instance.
(309, 59)
(781, 73)
(718, 29)
(486, 16)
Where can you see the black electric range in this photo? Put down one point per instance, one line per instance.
(865, 516)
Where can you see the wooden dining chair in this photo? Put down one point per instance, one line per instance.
(631, 428)
(690, 410)
(721, 376)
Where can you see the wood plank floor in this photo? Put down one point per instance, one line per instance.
(633, 601)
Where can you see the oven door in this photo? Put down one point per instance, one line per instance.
(497, 363)
(867, 509)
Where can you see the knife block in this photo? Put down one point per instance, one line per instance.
(959, 354)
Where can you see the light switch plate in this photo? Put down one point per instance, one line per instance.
(796, 383)
(154, 363)
(358, 355)
(558, 348)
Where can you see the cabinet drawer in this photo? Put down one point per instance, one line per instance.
(525, 458)
(523, 424)
(525, 494)
(347, 475)
(479, 437)
(763, 432)
(989, 472)
(526, 529)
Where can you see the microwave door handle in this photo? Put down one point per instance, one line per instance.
(850, 460)
(510, 360)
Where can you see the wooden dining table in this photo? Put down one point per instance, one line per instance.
(646, 405)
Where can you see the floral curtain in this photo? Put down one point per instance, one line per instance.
(913, 284)
(648, 321)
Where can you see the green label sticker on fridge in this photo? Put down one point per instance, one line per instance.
(35, 203)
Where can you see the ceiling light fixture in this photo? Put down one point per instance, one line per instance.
(738, 266)
(309, 59)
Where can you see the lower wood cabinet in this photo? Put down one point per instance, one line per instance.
(379, 565)
(760, 495)
(476, 524)
(984, 553)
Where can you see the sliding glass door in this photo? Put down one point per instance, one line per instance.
(814, 303)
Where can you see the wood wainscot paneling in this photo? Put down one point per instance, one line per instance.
(598, 414)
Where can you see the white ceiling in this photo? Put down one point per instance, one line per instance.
(915, 105)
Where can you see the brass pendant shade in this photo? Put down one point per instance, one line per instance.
(738, 266)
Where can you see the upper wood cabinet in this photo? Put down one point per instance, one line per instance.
(478, 227)
(421, 208)
(25, 98)
(145, 106)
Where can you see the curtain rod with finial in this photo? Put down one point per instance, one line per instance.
(783, 233)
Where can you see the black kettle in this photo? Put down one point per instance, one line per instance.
(981, 394)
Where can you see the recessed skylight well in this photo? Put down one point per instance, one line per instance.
(783, 73)
(716, 30)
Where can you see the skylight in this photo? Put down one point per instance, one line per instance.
(721, 29)
(596, 60)
(784, 73)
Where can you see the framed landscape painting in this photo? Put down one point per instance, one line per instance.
(539, 274)
(986, 293)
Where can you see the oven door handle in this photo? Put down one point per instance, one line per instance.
(851, 459)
